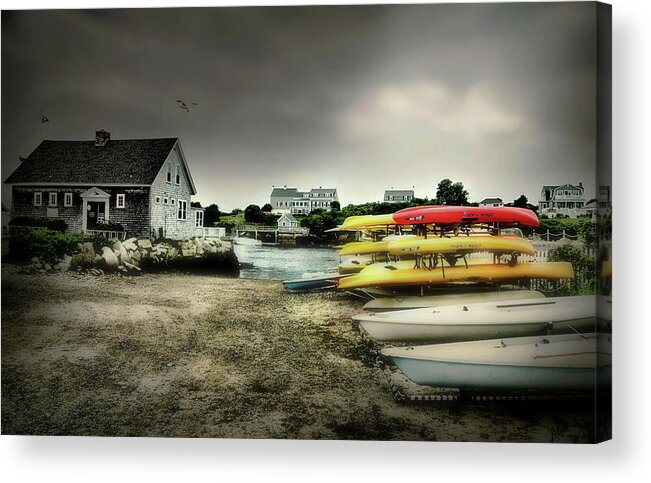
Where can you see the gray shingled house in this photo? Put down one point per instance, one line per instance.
(144, 185)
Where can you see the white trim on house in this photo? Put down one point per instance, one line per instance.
(67, 200)
(53, 199)
(198, 218)
(168, 174)
(121, 201)
(38, 198)
(182, 210)
(93, 194)
(177, 175)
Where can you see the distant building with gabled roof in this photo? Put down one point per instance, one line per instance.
(565, 199)
(394, 196)
(491, 202)
(292, 201)
(144, 185)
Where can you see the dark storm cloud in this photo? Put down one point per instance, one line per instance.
(499, 96)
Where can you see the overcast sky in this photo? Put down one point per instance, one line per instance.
(498, 96)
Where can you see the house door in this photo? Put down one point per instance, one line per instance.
(94, 214)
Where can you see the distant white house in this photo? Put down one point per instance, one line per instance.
(287, 221)
(394, 196)
(566, 199)
(491, 202)
(292, 201)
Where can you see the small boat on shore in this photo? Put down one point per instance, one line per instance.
(384, 304)
(246, 241)
(314, 281)
(483, 320)
(554, 362)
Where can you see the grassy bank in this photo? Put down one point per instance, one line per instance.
(200, 356)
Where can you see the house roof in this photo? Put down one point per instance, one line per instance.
(289, 217)
(284, 192)
(555, 186)
(399, 192)
(120, 161)
(322, 190)
(491, 200)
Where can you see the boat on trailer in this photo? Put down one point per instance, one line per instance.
(554, 362)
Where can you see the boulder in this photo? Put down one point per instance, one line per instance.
(34, 260)
(132, 269)
(88, 250)
(111, 261)
(64, 264)
(130, 244)
(135, 257)
(124, 254)
(172, 253)
(145, 244)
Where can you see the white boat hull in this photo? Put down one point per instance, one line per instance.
(385, 304)
(565, 362)
(484, 320)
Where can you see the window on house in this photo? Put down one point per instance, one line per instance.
(198, 219)
(169, 172)
(172, 201)
(67, 199)
(165, 200)
(53, 199)
(178, 174)
(120, 201)
(38, 198)
(158, 200)
(183, 210)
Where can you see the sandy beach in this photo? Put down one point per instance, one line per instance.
(181, 355)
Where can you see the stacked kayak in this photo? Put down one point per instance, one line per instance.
(499, 272)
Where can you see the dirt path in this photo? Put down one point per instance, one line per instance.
(200, 356)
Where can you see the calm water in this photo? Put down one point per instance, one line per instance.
(285, 262)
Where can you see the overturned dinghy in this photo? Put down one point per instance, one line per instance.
(483, 320)
(556, 362)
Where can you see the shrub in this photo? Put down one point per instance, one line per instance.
(48, 245)
(55, 224)
(584, 270)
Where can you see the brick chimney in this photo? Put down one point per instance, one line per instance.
(102, 137)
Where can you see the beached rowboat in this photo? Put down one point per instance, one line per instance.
(384, 304)
(483, 320)
(554, 362)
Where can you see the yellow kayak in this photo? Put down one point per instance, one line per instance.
(380, 267)
(461, 244)
(459, 273)
(364, 221)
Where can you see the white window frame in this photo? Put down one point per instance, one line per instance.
(182, 210)
(172, 202)
(52, 196)
(198, 219)
(38, 198)
(165, 200)
(121, 201)
(177, 178)
(157, 200)
(67, 200)
(168, 176)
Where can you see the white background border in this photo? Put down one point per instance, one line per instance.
(626, 457)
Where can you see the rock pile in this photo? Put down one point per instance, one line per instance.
(131, 256)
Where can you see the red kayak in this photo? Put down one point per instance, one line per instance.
(453, 215)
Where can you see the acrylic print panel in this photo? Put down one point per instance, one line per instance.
(385, 222)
